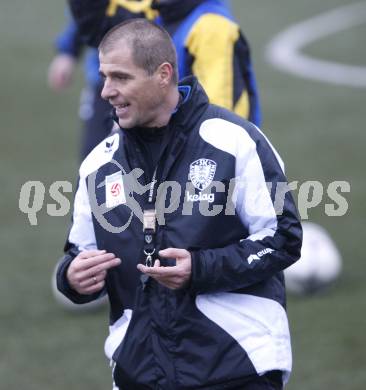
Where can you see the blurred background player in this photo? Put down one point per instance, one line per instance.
(209, 44)
(94, 112)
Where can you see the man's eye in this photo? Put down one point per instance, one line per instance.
(122, 77)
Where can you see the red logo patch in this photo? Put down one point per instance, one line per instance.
(115, 189)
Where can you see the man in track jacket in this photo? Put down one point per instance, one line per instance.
(183, 218)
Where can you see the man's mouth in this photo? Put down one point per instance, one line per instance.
(121, 109)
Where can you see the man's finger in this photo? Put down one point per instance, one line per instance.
(101, 267)
(162, 271)
(173, 253)
(92, 279)
(91, 253)
(94, 288)
(96, 260)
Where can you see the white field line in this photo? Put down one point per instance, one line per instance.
(284, 51)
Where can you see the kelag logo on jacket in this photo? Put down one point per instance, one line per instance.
(202, 172)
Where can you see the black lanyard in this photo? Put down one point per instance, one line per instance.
(149, 230)
(149, 224)
(149, 215)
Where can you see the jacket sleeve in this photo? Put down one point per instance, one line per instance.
(262, 200)
(95, 18)
(221, 61)
(69, 40)
(81, 237)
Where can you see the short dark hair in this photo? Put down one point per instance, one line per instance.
(151, 45)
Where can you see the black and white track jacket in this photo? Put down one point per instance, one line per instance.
(221, 195)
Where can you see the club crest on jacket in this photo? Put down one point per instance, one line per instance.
(202, 172)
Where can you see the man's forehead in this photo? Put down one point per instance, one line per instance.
(118, 61)
(115, 54)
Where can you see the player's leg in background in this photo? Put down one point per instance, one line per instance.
(95, 114)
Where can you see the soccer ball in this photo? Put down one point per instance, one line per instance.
(65, 303)
(320, 263)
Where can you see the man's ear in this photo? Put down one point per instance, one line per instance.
(165, 73)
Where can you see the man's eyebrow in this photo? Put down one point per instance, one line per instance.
(115, 73)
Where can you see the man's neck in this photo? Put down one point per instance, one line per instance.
(171, 102)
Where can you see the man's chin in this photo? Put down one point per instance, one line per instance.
(124, 124)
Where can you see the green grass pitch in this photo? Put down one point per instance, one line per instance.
(318, 128)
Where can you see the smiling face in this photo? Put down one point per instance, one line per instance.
(140, 99)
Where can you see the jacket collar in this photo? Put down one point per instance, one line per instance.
(194, 102)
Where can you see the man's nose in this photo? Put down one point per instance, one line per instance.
(108, 90)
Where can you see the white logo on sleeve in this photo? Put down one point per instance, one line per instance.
(114, 191)
(258, 255)
(202, 172)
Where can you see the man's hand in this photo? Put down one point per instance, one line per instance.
(87, 272)
(172, 277)
(60, 72)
